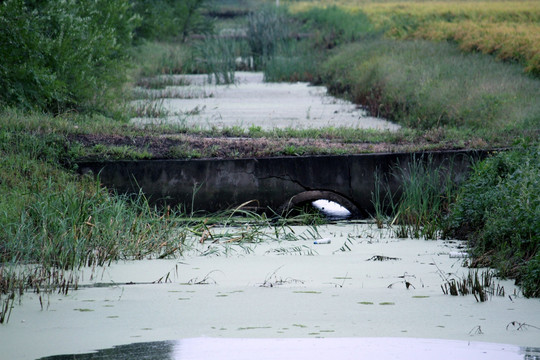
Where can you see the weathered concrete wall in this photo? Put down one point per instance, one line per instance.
(213, 185)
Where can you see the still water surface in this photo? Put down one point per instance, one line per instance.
(312, 349)
(345, 298)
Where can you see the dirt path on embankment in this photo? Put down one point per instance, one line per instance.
(179, 146)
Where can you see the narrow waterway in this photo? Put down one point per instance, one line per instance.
(250, 102)
(360, 282)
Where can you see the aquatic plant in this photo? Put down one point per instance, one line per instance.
(217, 58)
(416, 209)
(272, 280)
(482, 286)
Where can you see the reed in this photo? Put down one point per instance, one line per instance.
(416, 209)
(479, 284)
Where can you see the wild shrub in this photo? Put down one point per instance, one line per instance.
(60, 55)
(333, 26)
(498, 209)
(170, 19)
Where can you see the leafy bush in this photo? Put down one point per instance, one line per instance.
(498, 210)
(166, 19)
(531, 277)
(334, 26)
(60, 55)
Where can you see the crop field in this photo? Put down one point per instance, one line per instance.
(510, 30)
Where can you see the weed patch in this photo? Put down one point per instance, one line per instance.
(397, 80)
(503, 236)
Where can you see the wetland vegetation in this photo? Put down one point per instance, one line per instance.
(453, 74)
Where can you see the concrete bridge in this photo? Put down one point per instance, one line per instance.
(273, 183)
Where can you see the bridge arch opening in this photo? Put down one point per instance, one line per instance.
(332, 205)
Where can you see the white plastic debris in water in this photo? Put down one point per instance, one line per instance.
(331, 209)
(322, 241)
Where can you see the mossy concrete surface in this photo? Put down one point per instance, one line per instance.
(273, 183)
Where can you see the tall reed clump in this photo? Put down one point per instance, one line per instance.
(217, 58)
(427, 85)
(482, 286)
(299, 59)
(267, 28)
(61, 55)
(498, 209)
(417, 207)
(293, 61)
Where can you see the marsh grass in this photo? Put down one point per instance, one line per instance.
(430, 85)
(172, 92)
(217, 58)
(150, 108)
(267, 27)
(416, 209)
(161, 82)
(161, 58)
(293, 61)
(481, 285)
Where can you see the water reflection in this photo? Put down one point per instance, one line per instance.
(312, 349)
(159, 350)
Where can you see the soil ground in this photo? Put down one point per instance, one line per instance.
(183, 145)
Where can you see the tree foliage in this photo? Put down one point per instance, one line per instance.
(60, 55)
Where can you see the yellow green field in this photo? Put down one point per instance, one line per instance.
(509, 30)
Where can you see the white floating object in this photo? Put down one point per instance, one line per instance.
(458, 255)
(322, 241)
